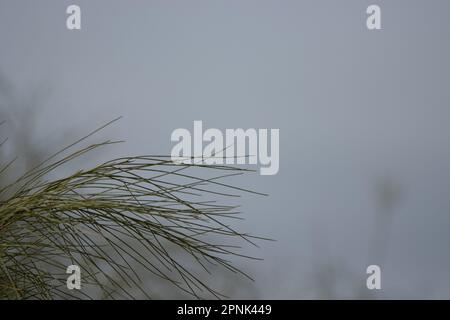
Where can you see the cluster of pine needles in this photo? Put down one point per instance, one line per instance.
(140, 212)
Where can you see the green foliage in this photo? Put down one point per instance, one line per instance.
(134, 211)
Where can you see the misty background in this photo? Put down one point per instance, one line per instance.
(363, 116)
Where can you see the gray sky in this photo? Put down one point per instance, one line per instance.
(354, 107)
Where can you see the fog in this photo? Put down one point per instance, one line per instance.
(364, 142)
